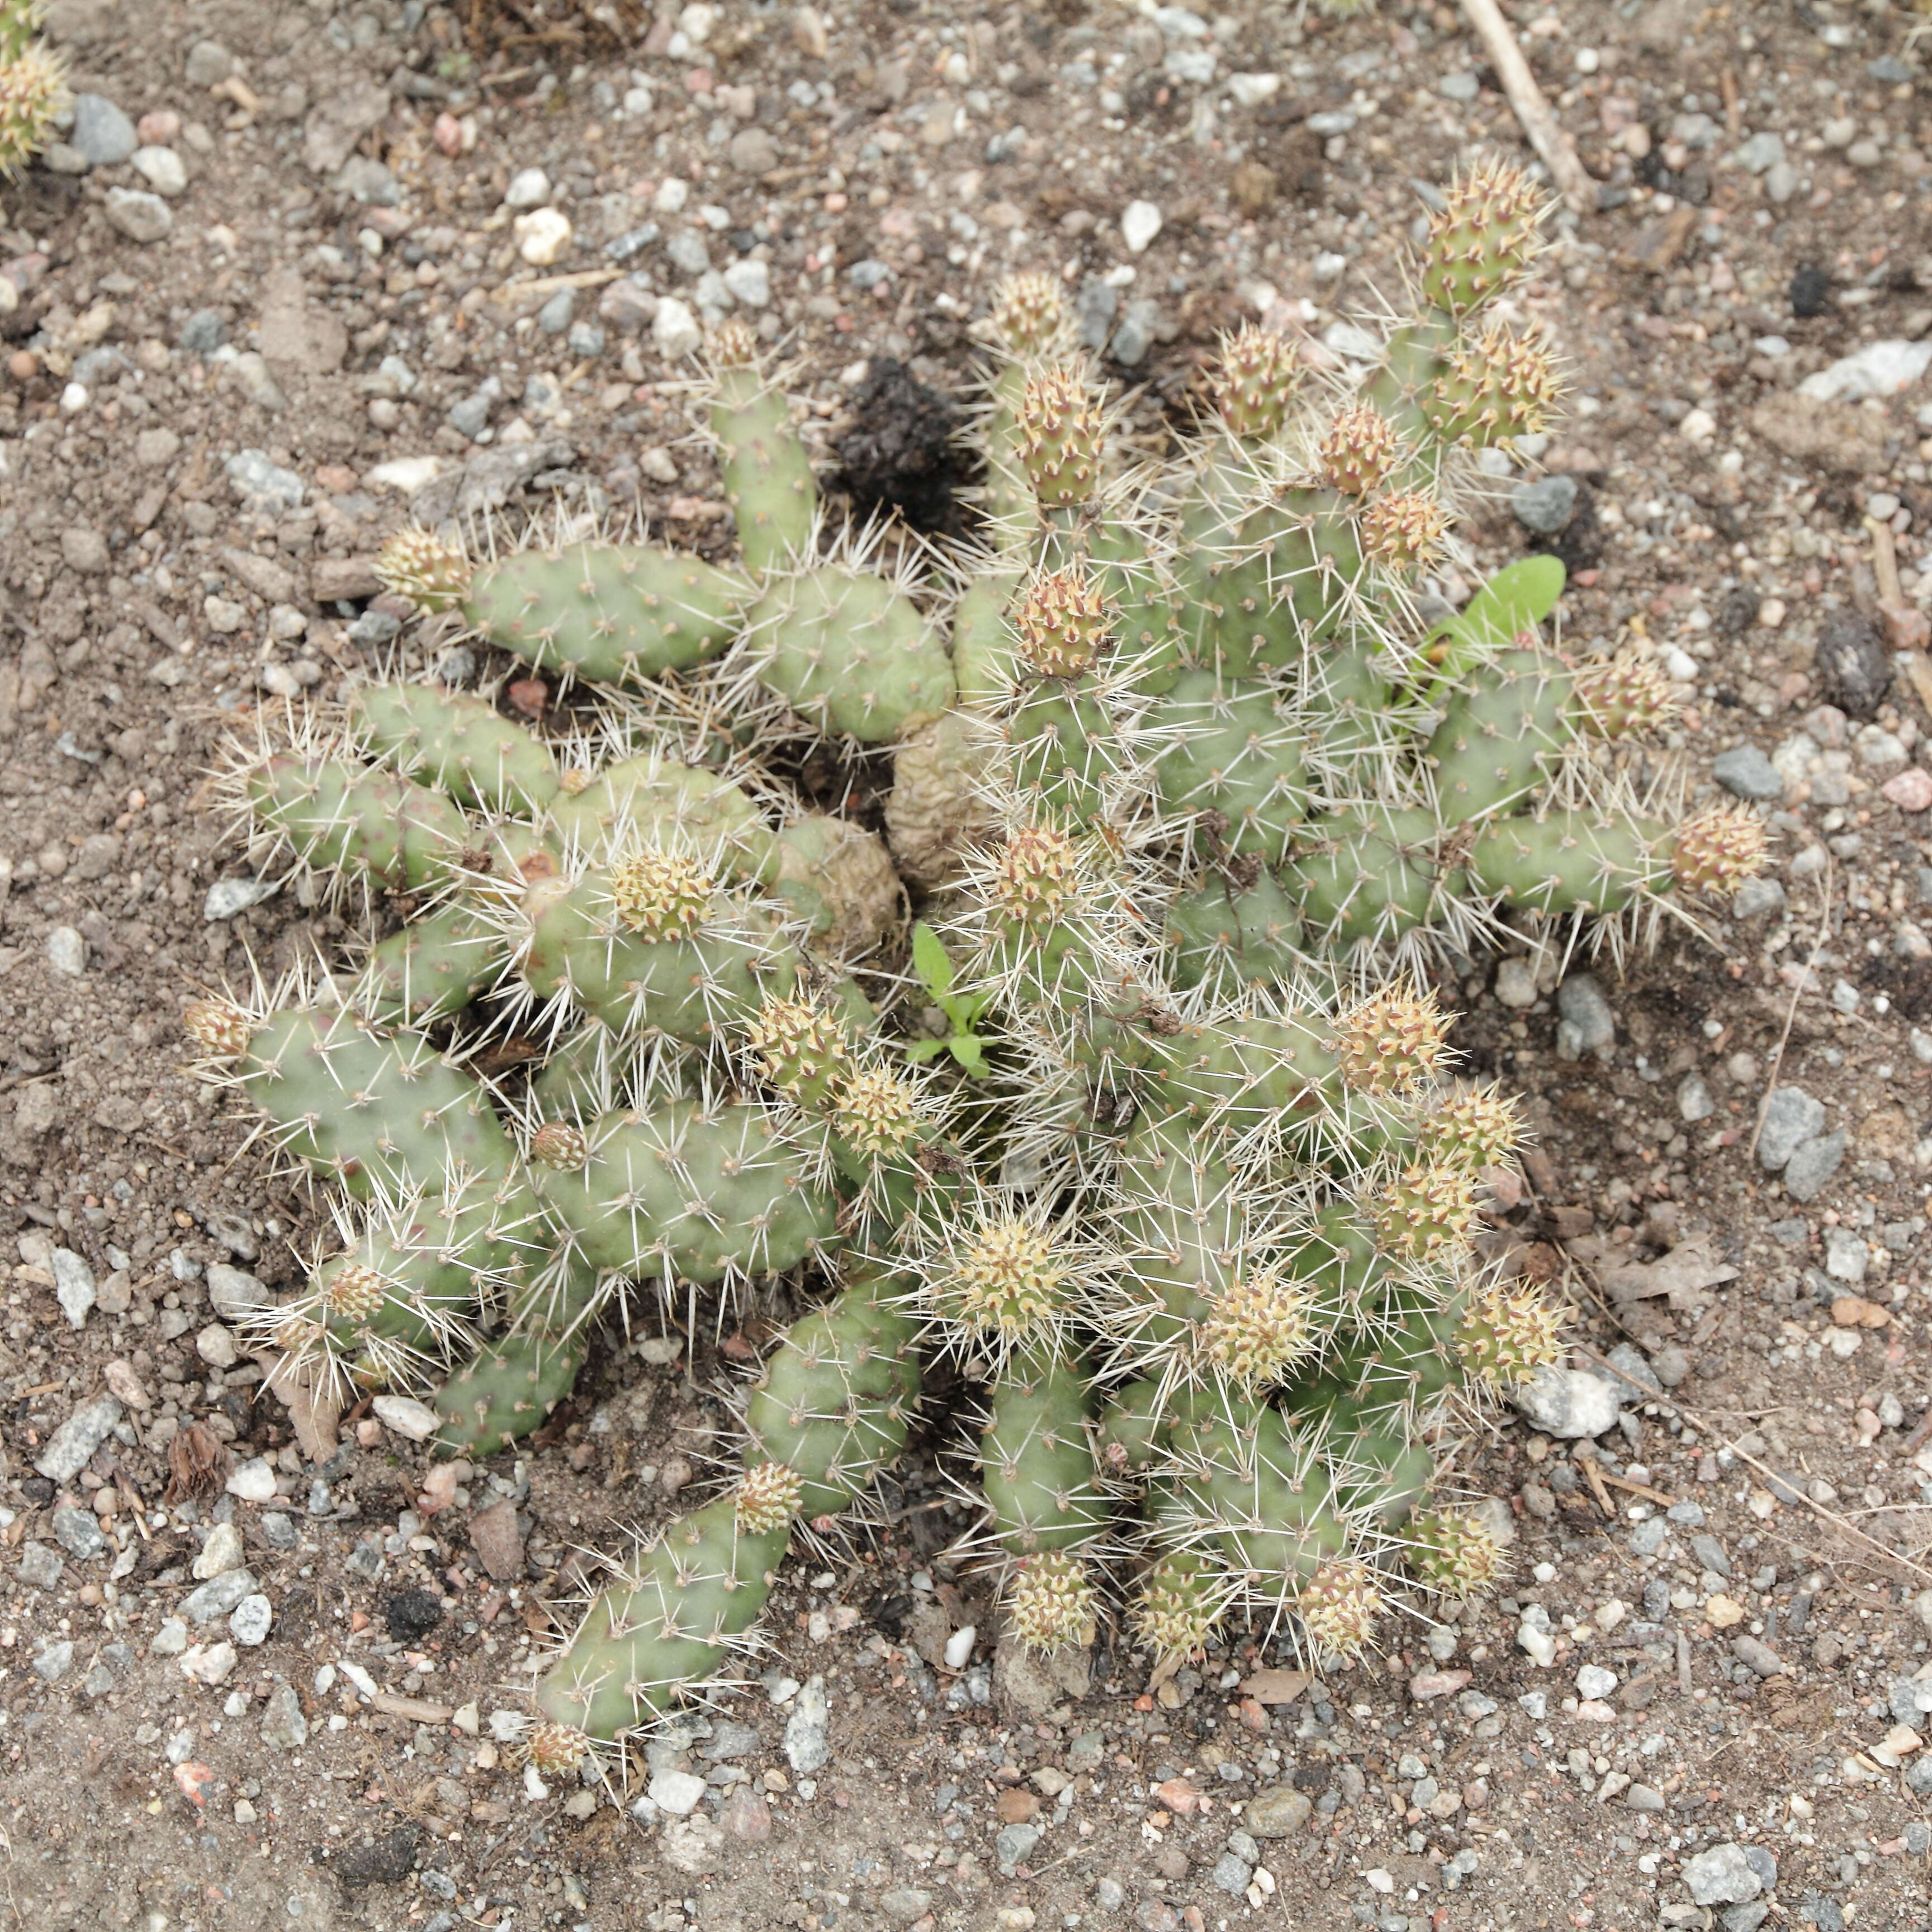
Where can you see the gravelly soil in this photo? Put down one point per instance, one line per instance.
(886, 166)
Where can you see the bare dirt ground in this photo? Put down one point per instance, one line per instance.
(207, 394)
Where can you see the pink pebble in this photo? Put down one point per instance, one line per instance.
(157, 129)
(448, 135)
(1910, 790)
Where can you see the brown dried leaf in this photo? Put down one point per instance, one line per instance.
(1691, 1266)
(198, 1462)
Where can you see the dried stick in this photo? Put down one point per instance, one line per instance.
(1531, 109)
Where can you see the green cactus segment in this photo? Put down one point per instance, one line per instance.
(355, 1103)
(1315, 558)
(677, 1610)
(1036, 1459)
(712, 816)
(509, 1389)
(1133, 1432)
(682, 988)
(851, 654)
(1182, 1598)
(767, 474)
(614, 613)
(367, 825)
(1229, 752)
(695, 1193)
(430, 969)
(1500, 736)
(1182, 1236)
(982, 646)
(1254, 1490)
(1571, 862)
(1348, 706)
(20, 21)
(1063, 748)
(1383, 1472)
(1246, 1074)
(458, 744)
(834, 1401)
(1370, 875)
(1228, 936)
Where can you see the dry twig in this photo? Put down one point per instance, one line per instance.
(1531, 109)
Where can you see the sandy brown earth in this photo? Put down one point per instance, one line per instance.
(204, 436)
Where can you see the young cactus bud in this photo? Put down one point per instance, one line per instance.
(1391, 1041)
(1453, 1552)
(1259, 1326)
(1425, 1210)
(1062, 625)
(1358, 451)
(353, 1293)
(1028, 318)
(1404, 531)
(800, 1048)
(660, 895)
(1254, 381)
(556, 1749)
(1506, 1334)
(1718, 850)
(734, 344)
(767, 1497)
(1475, 1128)
(877, 1112)
(559, 1145)
(1625, 697)
(1061, 434)
(434, 576)
(1034, 877)
(33, 91)
(1483, 238)
(1180, 1603)
(1050, 1602)
(1003, 1280)
(217, 1027)
(1338, 1606)
(1498, 385)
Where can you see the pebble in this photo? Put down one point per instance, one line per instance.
(806, 1744)
(235, 1292)
(1462, 86)
(1277, 1811)
(256, 480)
(1545, 505)
(1232, 1874)
(1134, 336)
(171, 1639)
(1566, 1402)
(78, 1532)
(1791, 1118)
(1812, 1167)
(530, 188)
(1694, 1099)
(253, 1618)
(74, 1442)
(1745, 772)
(1538, 1646)
(1879, 369)
(40, 1567)
(140, 216)
(73, 1285)
(66, 952)
(1594, 1680)
(1140, 223)
(1910, 790)
(209, 1664)
(416, 1420)
(162, 169)
(1756, 1654)
(1728, 1874)
(215, 1345)
(221, 1553)
(554, 317)
(543, 236)
(496, 1535)
(227, 899)
(1587, 1025)
(217, 1597)
(1644, 1797)
(101, 131)
(253, 1481)
(674, 329)
(678, 1793)
(1761, 152)
(750, 282)
(283, 1726)
(54, 1661)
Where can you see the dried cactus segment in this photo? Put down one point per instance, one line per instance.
(1483, 238)
(1050, 1601)
(1506, 1332)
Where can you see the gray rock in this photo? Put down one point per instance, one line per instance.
(1791, 1118)
(807, 1744)
(1636, 1365)
(869, 274)
(73, 1285)
(1918, 1779)
(688, 251)
(101, 131)
(1134, 336)
(530, 188)
(750, 282)
(1566, 1402)
(40, 1567)
(554, 317)
(1761, 152)
(1463, 87)
(1782, 182)
(279, 1530)
(753, 151)
(469, 417)
(1545, 505)
(1587, 1025)
(1014, 1845)
(1722, 1876)
(228, 898)
(1745, 771)
(1232, 1874)
(1756, 1654)
(252, 1619)
(585, 339)
(1277, 1811)
(163, 170)
(1744, 1918)
(218, 1598)
(1094, 309)
(365, 1560)
(632, 242)
(363, 179)
(140, 216)
(78, 1532)
(1644, 1797)
(728, 1741)
(1811, 1168)
(54, 1662)
(1688, 1511)
(1911, 1700)
(235, 1292)
(1649, 1536)
(203, 332)
(258, 482)
(1709, 1552)
(67, 1453)
(66, 952)
(900, 1904)
(283, 1726)
(1756, 898)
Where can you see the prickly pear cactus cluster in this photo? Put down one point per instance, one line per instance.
(33, 86)
(1187, 790)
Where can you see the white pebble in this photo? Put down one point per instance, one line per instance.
(1593, 1680)
(220, 1554)
(959, 1647)
(415, 1420)
(676, 1791)
(530, 188)
(162, 169)
(675, 329)
(253, 1481)
(215, 1345)
(251, 1620)
(542, 236)
(1140, 223)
